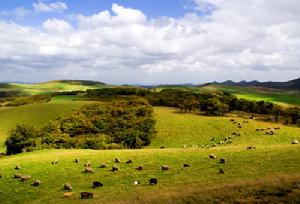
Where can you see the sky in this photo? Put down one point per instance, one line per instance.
(149, 41)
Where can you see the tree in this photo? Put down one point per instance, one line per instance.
(21, 139)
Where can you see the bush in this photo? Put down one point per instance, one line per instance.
(21, 139)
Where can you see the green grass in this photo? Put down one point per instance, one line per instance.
(35, 114)
(49, 87)
(176, 129)
(273, 158)
(262, 162)
(282, 97)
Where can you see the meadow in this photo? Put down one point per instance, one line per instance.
(268, 173)
(282, 97)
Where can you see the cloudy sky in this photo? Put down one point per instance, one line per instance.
(149, 42)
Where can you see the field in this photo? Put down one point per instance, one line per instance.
(267, 168)
(48, 87)
(282, 97)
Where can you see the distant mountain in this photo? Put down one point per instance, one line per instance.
(291, 85)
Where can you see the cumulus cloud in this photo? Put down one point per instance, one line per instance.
(234, 40)
(41, 7)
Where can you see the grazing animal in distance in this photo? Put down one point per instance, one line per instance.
(97, 184)
(136, 183)
(153, 181)
(36, 182)
(186, 165)
(88, 170)
(221, 171)
(25, 178)
(165, 168)
(129, 161)
(117, 160)
(115, 168)
(223, 160)
(68, 187)
(162, 147)
(103, 165)
(55, 161)
(295, 142)
(139, 168)
(76, 160)
(18, 167)
(17, 175)
(88, 164)
(251, 147)
(86, 195)
(212, 156)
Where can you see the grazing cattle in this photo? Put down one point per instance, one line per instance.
(18, 167)
(257, 129)
(17, 175)
(212, 156)
(165, 168)
(115, 168)
(212, 139)
(129, 161)
(251, 147)
(55, 161)
(88, 170)
(186, 165)
(68, 194)
(153, 181)
(117, 160)
(36, 182)
(103, 165)
(86, 195)
(239, 126)
(88, 164)
(97, 184)
(232, 120)
(234, 133)
(136, 183)
(139, 168)
(162, 147)
(223, 160)
(295, 142)
(68, 187)
(76, 160)
(221, 171)
(25, 178)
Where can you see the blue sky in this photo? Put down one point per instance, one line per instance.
(149, 41)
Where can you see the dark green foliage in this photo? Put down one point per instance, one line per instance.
(22, 138)
(23, 100)
(118, 124)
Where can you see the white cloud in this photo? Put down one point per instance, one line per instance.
(41, 7)
(236, 41)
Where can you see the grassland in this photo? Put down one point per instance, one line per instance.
(275, 161)
(175, 130)
(48, 87)
(118, 186)
(282, 97)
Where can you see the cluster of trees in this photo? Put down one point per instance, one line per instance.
(23, 100)
(117, 124)
(208, 103)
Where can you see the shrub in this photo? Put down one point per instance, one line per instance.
(22, 138)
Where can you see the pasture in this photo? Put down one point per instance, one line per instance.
(272, 165)
(242, 165)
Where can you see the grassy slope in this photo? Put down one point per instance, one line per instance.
(272, 157)
(175, 130)
(49, 87)
(119, 185)
(258, 94)
(35, 114)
